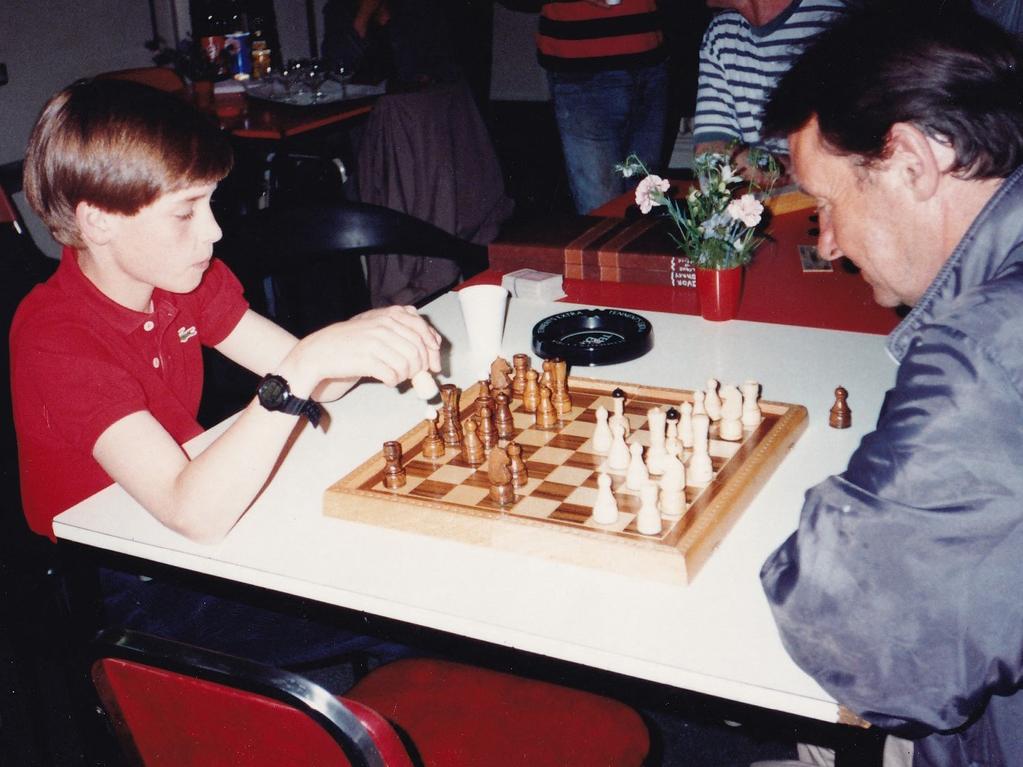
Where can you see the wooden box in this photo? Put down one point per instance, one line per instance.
(597, 248)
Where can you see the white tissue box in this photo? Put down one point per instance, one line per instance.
(534, 285)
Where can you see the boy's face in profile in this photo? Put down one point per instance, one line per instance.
(167, 244)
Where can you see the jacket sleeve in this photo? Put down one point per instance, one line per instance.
(899, 592)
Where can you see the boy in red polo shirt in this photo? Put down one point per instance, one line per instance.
(106, 364)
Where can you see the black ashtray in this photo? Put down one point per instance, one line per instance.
(593, 336)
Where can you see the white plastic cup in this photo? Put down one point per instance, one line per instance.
(483, 310)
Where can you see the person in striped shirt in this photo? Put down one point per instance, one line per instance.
(744, 53)
(605, 62)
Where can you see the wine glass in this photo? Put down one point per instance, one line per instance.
(315, 73)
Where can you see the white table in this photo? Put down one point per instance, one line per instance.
(715, 636)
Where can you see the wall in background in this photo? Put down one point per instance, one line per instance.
(516, 74)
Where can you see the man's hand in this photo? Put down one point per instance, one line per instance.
(761, 178)
(740, 162)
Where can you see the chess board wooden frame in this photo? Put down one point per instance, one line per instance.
(675, 556)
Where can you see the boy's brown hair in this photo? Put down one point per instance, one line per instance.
(118, 145)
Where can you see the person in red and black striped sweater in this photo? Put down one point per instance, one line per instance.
(607, 72)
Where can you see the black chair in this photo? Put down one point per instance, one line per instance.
(33, 610)
(300, 264)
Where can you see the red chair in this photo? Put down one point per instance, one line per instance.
(179, 705)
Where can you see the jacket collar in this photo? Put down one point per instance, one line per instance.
(993, 242)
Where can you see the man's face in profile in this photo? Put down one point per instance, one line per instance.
(864, 216)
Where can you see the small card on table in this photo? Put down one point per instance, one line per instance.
(811, 260)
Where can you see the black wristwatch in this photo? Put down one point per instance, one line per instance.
(275, 394)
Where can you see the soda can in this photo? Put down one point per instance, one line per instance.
(212, 48)
(239, 55)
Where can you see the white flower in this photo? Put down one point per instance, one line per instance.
(650, 192)
(728, 175)
(747, 209)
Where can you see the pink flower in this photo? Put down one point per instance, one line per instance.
(747, 209)
(649, 190)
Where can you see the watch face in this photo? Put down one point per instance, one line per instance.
(273, 390)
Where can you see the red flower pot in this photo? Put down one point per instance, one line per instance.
(719, 291)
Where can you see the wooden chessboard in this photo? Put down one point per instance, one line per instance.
(446, 497)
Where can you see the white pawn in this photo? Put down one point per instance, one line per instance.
(751, 415)
(700, 470)
(672, 444)
(648, 518)
(602, 432)
(712, 402)
(730, 427)
(656, 423)
(636, 474)
(698, 402)
(618, 456)
(685, 424)
(673, 488)
(605, 508)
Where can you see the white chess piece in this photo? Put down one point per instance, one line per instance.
(656, 422)
(751, 415)
(602, 432)
(605, 508)
(618, 455)
(730, 426)
(673, 488)
(699, 407)
(712, 402)
(648, 518)
(700, 470)
(636, 474)
(685, 424)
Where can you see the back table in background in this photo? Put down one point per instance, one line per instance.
(616, 257)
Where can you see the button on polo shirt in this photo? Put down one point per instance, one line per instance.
(80, 362)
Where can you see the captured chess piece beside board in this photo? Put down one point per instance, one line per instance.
(639, 479)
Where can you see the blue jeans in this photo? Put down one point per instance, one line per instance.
(603, 117)
(258, 633)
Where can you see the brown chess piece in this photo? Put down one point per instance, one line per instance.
(502, 491)
(547, 376)
(473, 452)
(531, 394)
(561, 398)
(487, 430)
(546, 414)
(452, 431)
(484, 398)
(504, 422)
(522, 364)
(499, 380)
(394, 473)
(433, 443)
(516, 465)
(840, 416)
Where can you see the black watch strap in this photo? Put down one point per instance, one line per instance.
(274, 394)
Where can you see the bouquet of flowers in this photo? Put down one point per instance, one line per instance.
(716, 228)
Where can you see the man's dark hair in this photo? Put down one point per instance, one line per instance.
(952, 74)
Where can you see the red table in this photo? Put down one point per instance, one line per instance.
(259, 119)
(776, 289)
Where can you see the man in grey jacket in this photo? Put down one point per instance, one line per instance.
(901, 590)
